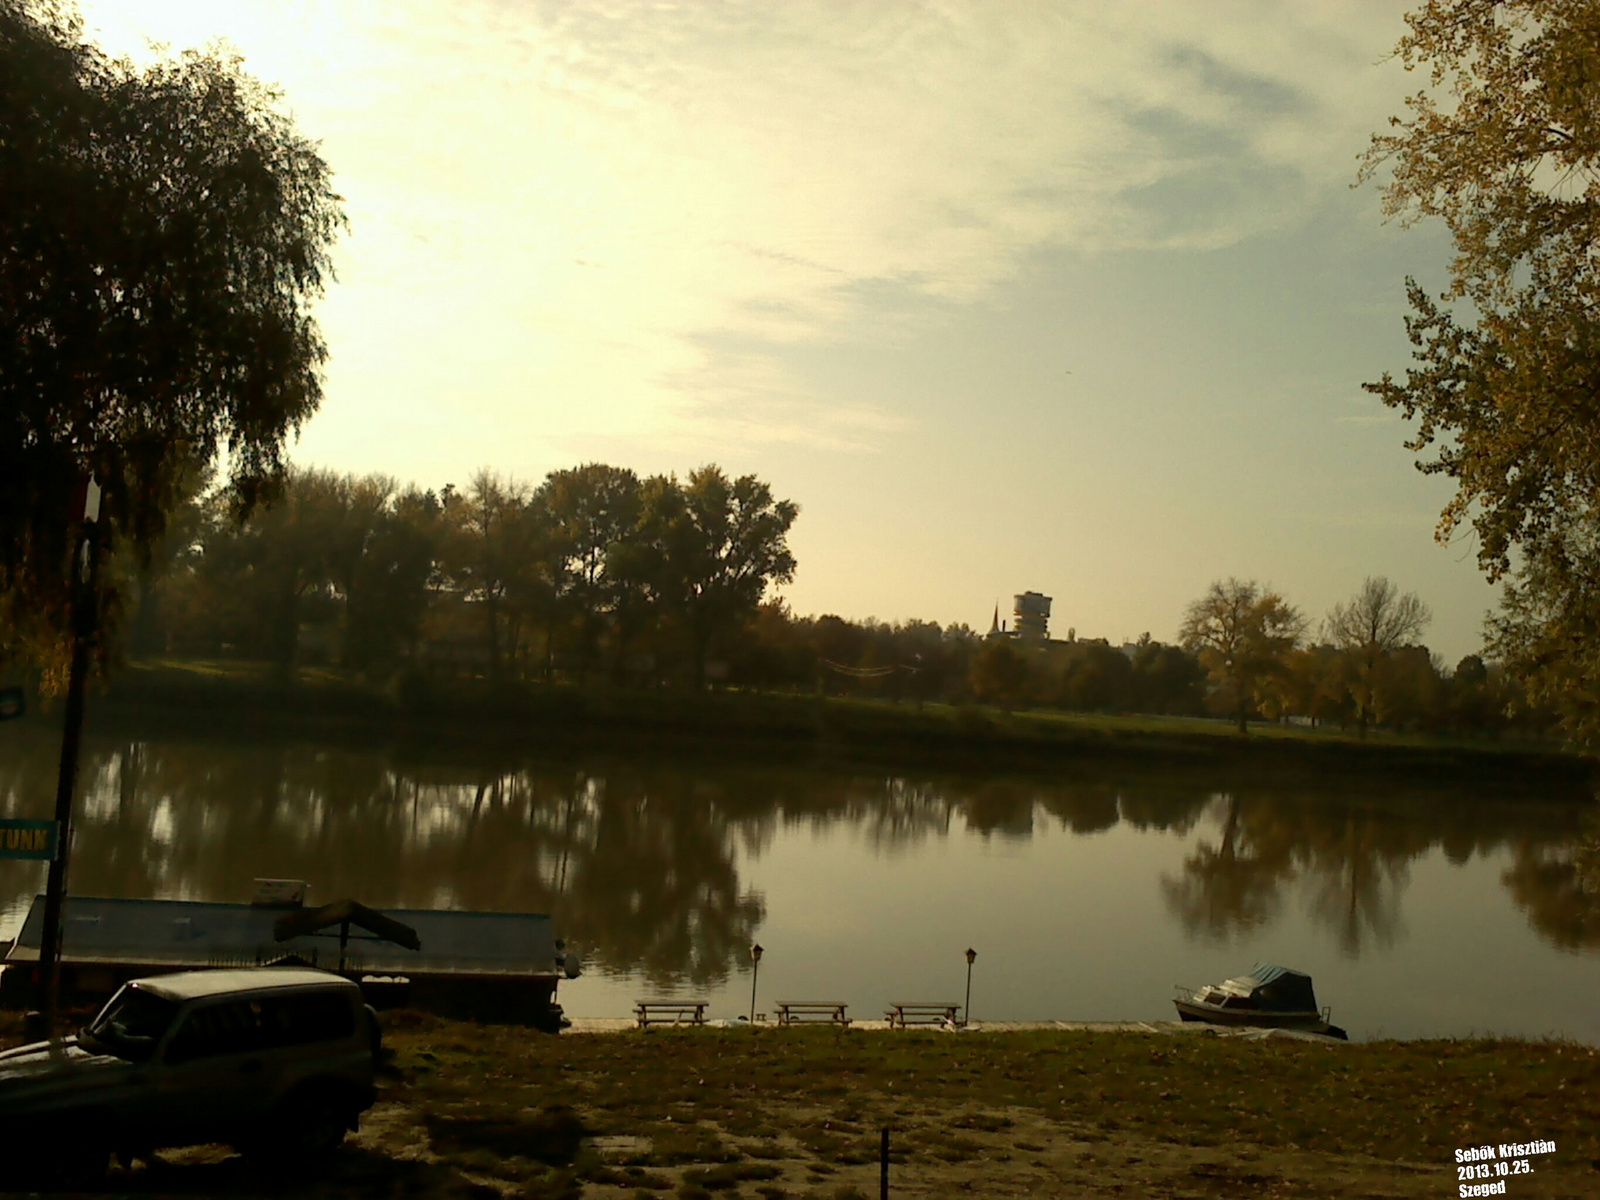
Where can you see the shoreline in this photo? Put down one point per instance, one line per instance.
(197, 699)
(588, 1025)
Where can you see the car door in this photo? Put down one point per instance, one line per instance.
(210, 1079)
(313, 1034)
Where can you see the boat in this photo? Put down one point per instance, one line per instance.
(1268, 996)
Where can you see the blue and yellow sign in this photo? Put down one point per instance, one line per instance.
(28, 839)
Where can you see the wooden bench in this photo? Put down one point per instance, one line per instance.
(812, 1012)
(669, 1012)
(922, 1013)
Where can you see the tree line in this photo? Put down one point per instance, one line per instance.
(595, 572)
(597, 575)
(1364, 666)
(1244, 652)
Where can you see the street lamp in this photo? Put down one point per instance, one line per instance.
(85, 515)
(755, 970)
(966, 1010)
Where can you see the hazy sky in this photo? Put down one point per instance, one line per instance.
(1070, 297)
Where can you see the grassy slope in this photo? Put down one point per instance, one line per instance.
(326, 703)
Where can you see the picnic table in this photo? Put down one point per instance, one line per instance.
(669, 1012)
(921, 1013)
(803, 1012)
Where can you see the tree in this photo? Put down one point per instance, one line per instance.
(483, 551)
(163, 233)
(723, 542)
(268, 575)
(172, 554)
(835, 640)
(593, 511)
(1096, 678)
(1166, 679)
(1547, 632)
(1374, 624)
(1318, 684)
(1511, 162)
(387, 594)
(999, 674)
(1242, 632)
(1408, 691)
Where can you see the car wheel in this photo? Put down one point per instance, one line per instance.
(83, 1167)
(305, 1131)
(60, 1159)
(375, 1037)
(319, 1126)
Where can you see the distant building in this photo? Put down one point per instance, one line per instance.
(997, 627)
(1030, 612)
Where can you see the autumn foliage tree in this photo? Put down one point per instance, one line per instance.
(1242, 633)
(1503, 145)
(1371, 627)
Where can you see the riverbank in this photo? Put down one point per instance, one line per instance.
(224, 697)
(487, 1111)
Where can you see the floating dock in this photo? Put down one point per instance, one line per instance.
(501, 965)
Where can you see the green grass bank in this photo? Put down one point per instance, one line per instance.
(326, 705)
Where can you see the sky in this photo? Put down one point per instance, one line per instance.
(1068, 297)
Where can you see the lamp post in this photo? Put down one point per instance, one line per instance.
(755, 970)
(966, 1009)
(85, 574)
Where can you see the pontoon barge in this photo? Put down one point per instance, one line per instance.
(503, 965)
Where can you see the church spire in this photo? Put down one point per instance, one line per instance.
(994, 625)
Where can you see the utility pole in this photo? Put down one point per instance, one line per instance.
(85, 604)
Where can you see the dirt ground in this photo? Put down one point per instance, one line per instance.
(488, 1112)
(1002, 1153)
(1010, 1152)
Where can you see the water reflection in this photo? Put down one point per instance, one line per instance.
(1349, 863)
(1558, 886)
(1234, 880)
(640, 862)
(1356, 871)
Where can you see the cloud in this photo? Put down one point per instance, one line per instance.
(572, 210)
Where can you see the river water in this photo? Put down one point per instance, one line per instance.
(1087, 895)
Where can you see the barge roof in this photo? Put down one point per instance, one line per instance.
(190, 933)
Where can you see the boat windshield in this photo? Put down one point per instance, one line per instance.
(131, 1024)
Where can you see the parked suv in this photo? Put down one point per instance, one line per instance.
(277, 1061)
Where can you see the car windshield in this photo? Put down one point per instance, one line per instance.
(132, 1023)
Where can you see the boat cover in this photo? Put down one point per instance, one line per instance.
(1278, 989)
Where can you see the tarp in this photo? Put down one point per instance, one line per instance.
(1279, 989)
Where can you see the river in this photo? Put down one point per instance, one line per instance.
(1086, 895)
